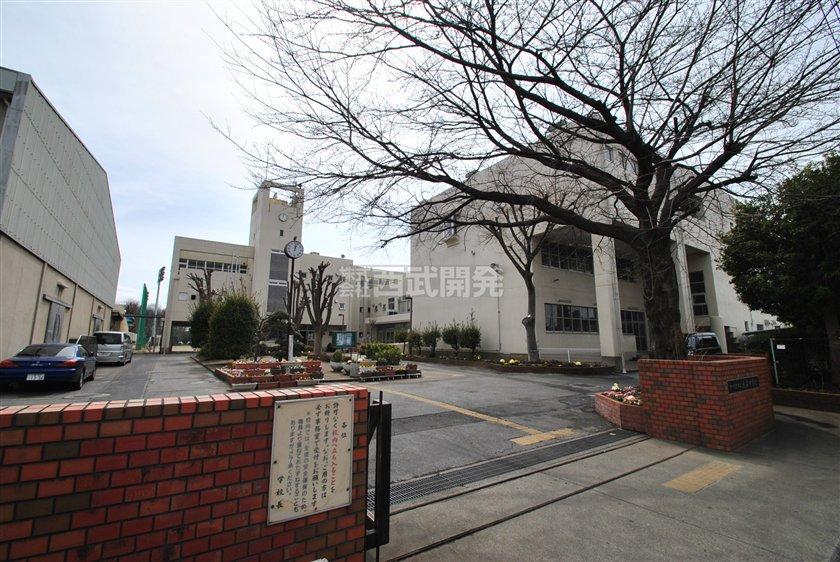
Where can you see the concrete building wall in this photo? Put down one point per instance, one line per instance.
(696, 245)
(54, 195)
(58, 241)
(30, 288)
(181, 298)
(276, 219)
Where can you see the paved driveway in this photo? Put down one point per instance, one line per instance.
(456, 416)
(147, 376)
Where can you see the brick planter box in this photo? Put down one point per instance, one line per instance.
(721, 402)
(623, 415)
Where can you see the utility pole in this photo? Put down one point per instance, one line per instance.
(161, 273)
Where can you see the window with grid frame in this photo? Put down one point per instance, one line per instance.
(698, 293)
(572, 258)
(571, 318)
(625, 269)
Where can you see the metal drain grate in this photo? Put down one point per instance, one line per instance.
(432, 484)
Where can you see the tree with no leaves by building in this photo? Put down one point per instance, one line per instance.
(642, 112)
(319, 290)
(202, 285)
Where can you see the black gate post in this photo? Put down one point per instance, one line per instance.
(377, 524)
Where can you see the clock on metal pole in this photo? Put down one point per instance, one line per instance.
(293, 250)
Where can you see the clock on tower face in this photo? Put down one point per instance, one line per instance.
(283, 217)
(294, 249)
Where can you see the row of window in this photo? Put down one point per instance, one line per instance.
(574, 258)
(212, 265)
(571, 318)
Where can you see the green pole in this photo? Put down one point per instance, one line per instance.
(141, 323)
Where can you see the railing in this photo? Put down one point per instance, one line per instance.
(377, 524)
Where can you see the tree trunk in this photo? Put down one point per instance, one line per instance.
(316, 345)
(832, 332)
(662, 297)
(530, 321)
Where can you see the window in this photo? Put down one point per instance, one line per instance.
(212, 265)
(698, 293)
(746, 326)
(570, 318)
(361, 309)
(392, 305)
(571, 258)
(192, 297)
(633, 323)
(625, 269)
(342, 306)
(450, 227)
(609, 154)
(404, 305)
(182, 296)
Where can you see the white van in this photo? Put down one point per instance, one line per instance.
(114, 347)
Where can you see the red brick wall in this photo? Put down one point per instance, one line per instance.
(689, 400)
(162, 479)
(617, 413)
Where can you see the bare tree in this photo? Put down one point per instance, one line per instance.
(319, 290)
(521, 243)
(642, 111)
(299, 297)
(202, 284)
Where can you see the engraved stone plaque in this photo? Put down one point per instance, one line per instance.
(311, 457)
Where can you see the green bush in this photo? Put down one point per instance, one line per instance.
(430, 337)
(200, 323)
(401, 336)
(451, 336)
(233, 328)
(337, 357)
(415, 342)
(381, 353)
(470, 337)
(389, 355)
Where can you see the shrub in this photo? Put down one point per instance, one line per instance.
(401, 336)
(200, 323)
(389, 355)
(415, 341)
(470, 337)
(233, 327)
(430, 337)
(451, 336)
(337, 357)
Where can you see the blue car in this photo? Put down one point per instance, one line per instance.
(49, 363)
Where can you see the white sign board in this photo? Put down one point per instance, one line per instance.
(311, 457)
(780, 346)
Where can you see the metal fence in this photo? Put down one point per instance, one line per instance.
(799, 362)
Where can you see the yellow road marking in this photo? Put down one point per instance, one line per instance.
(533, 435)
(546, 436)
(702, 477)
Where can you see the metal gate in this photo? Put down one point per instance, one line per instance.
(377, 523)
(800, 362)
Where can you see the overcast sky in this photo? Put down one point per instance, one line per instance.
(139, 83)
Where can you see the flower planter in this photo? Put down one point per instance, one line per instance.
(623, 415)
(336, 367)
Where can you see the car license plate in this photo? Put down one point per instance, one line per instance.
(35, 377)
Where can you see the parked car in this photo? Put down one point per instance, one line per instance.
(702, 343)
(88, 342)
(114, 347)
(49, 362)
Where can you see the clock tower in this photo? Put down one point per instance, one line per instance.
(276, 220)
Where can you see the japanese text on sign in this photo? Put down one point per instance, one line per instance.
(311, 457)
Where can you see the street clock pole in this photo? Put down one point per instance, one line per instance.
(293, 250)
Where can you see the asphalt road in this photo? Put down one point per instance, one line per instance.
(456, 416)
(147, 376)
